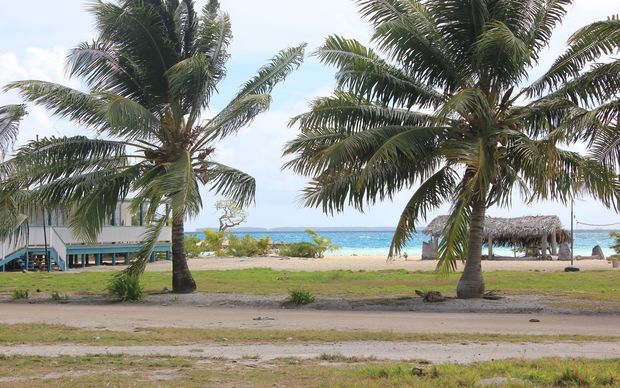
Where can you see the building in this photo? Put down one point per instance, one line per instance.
(120, 237)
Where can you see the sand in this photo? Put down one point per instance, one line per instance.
(356, 263)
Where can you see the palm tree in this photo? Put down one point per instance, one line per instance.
(11, 218)
(444, 109)
(151, 74)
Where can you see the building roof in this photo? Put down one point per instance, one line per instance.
(518, 231)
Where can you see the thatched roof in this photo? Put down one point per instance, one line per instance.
(522, 231)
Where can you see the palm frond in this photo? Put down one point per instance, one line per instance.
(434, 191)
(227, 181)
(10, 117)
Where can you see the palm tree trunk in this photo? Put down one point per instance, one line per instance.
(471, 284)
(182, 280)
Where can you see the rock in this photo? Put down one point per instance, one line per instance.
(534, 320)
(264, 319)
(564, 253)
(431, 296)
(598, 251)
(429, 251)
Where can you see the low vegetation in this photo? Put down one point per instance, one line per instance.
(316, 248)
(60, 334)
(20, 294)
(111, 370)
(300, 297)
(58, 297)
(583, 286)
(125, 288)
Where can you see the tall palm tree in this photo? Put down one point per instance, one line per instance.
(151, 74)
(447, 110)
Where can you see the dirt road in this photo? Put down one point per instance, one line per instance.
(131, 316)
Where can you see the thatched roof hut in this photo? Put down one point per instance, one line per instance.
(530, 231)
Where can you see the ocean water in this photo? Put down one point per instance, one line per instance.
(376, 243)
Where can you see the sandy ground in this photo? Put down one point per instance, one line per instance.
(132, 316)
(437, 353)
(355, 263)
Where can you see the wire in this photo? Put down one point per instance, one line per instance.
(583, 223)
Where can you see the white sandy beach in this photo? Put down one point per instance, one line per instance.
(357, 263)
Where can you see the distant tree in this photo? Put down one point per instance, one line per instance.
(194, 246)
(232, 215)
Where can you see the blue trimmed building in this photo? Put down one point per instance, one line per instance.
(119, 239)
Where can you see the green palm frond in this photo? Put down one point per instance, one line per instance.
(227, 181)
(363, 73)
(10, 117)
(587, 45)
(347, 112)
(149, 240)
(433, 192)
(276, 71)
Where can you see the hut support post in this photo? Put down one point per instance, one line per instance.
(490, 244)
(543, 245)
(554, 243)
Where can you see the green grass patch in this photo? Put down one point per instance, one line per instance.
(60, 334)
(594, 285)
(107, 370)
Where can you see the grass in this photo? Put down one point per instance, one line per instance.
(108, 370)
(300, 297)
(60, 334)
(586, 285)
(20, 294)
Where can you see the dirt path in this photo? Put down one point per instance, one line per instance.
(437, 353)
(356, 263)
(131, 316)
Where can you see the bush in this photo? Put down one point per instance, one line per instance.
(301, 297)
(214, 241)
(301, 249)
(245, 247)
(125, 288)
(193, 246)
(264, 245)
(56, 297)
(321, 243)
(21, 294)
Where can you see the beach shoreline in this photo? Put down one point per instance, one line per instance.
(359, 263)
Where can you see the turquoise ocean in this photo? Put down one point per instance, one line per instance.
(376, 243)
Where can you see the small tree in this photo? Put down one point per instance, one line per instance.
(323, 244)
(214, 241)
(233, 214)
(193, 246)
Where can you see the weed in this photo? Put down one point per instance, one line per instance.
(20, 294)
(57, 297)
(125, 288)
(300, 297)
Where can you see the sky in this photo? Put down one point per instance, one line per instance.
(35, 46)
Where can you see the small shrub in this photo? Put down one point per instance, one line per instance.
(321, 243)
(264, 245)
(300, 249)
(245, 247)
(573, 378)
(21, 294)
(214, 241)
(125, 288)
(301, 297)
(193, 246)
(56, 297)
